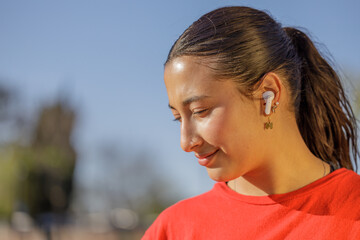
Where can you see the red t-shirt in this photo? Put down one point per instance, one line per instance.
(328, 208)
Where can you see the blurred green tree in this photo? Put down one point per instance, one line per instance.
(8, 166)
(37, 177)
(47, 165)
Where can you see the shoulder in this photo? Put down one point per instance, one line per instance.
(348, 185)
(342, 183)
(343, 194)
(347, 181)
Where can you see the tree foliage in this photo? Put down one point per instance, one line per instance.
(37, 178)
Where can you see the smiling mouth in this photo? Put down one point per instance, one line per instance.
(206, 155)
(205, 159)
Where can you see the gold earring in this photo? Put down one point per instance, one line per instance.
(268, 124)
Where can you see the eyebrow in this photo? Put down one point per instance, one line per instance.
(190, 100)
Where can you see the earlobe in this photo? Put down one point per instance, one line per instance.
(274, 107)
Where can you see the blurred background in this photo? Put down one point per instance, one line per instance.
(87, 146)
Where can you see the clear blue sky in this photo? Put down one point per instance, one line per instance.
(109, 56)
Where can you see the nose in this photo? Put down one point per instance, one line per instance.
(189, 138)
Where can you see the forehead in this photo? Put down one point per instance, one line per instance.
(185, 68)
(185, 78)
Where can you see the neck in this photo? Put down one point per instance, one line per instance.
(282, 171)
(267, 182)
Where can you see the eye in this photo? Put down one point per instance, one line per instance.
(201, 112)
(177, 119)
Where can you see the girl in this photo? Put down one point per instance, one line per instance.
(267, 116)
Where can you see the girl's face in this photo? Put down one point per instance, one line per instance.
(217, 123)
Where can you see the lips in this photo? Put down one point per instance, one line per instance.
(204, 159)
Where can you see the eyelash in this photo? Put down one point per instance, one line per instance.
(178, 119)
(200, 112)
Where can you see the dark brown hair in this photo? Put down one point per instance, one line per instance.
(244, 44)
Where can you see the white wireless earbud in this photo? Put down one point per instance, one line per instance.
(268, 97)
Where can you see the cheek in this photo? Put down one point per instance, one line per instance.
(231, 129)
(214, 130)
(245, 130)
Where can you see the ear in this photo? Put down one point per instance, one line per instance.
(270, 82)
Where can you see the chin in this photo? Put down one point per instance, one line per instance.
(219, 176)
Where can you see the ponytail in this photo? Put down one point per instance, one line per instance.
(324, 117)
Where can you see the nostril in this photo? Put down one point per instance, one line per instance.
(191, 144)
